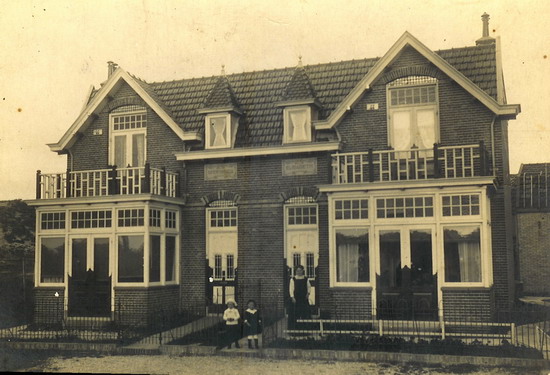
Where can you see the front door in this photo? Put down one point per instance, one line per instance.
(90, 277)
(303, 249)
(406, 283)
(222, 272)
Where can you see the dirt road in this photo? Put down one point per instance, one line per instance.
(214, 365)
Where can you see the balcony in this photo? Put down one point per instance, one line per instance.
(410, 165)
(107, 182)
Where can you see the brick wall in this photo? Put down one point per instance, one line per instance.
(470, 304)
(47, 307)
(140, 306)
(533, 237)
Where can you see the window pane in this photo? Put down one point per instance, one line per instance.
(218, 130)
(462, 254)
(421, 257)
(79, 250)
(154, 259)
(120, 151)
(352, 255)
(297, 128)
(390, 258)
(170, 258)
(52, 258)
(130, 259)
(138, 150)
(401, 130)
(101, 258)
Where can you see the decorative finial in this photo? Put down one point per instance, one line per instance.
(223, 70)
(300, 61)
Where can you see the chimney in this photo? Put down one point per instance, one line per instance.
(485, 38)
(111, 67)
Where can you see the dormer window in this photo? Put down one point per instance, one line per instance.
(297, 124)
(221, 129)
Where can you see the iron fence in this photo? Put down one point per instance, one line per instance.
(523, 331)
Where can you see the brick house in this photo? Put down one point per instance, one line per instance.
(532, 219)
(386, 178)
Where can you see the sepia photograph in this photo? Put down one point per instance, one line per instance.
(265, 187)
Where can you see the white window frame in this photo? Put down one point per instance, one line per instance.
(287, 124)
(228, 130)
(438, 221)
(129, 133)
(212, 253)
(413, 108)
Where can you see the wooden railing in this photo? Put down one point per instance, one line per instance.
(532, 191)
(408, 165)
(104, 182)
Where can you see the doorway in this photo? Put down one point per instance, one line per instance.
(406, 283)
(90, 277)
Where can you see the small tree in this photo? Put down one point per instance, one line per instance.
(17, 221)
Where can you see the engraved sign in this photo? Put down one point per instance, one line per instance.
(214, 172)
(300, 167)
(372, 106)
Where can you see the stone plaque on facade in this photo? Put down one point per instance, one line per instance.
(300, 167)
(214, 172)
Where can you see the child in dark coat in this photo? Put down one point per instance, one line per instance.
(252, 323)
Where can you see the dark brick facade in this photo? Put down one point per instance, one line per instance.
(533, 239)
(260, 190)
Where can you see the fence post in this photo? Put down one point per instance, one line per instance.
(38, 194)
(163, 181)
(436, 161)
(68, 182)
(147, 178)
(113, 181)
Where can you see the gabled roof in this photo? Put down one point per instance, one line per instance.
(100, 99)
(335, 86)
(438, 61)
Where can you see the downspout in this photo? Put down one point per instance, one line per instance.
(493, 155)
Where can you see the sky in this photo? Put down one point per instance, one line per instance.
(53, 51)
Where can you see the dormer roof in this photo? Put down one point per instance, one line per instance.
(220, 97)
(299, 88)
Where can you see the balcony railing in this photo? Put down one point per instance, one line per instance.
(105, 182)
(532, 192)
(408, 165)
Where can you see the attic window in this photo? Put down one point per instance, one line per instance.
(218, 131)
(297, 123)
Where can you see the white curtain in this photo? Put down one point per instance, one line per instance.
(138, 150)
(348, 266)
(401, 126)
(470, 261)
(218, 128)
(425, 124)
(120, 151)
(298, 121)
